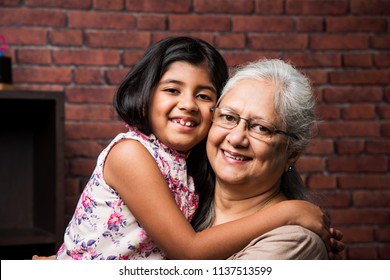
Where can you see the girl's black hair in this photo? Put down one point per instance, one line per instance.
(134, 94)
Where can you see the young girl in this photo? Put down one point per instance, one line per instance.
(126, 211)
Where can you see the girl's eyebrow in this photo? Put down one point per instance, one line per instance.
(199, 87)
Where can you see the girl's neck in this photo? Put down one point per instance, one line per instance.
(237, 202)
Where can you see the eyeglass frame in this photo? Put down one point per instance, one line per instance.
(247, 120)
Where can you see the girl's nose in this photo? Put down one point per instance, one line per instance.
(238, 136)
(188, 103)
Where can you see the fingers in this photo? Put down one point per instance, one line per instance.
(336, 234)
(337, 246)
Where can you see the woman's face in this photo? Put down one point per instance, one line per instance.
(235, 156)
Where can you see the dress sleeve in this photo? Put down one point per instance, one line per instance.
(285, 243)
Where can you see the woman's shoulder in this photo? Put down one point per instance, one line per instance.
(285, 243)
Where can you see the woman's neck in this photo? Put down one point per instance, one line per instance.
(235, 202)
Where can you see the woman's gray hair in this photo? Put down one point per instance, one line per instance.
(294, 104)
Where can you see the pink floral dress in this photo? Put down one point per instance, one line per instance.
(102, 227)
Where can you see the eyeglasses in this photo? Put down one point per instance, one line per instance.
(257, 127)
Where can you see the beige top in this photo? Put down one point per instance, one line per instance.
(285, 243)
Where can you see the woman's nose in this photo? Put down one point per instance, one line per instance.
(238, 136)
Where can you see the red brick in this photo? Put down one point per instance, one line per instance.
(328, 112)
(349, 147)
(90, 19)
(366, 181)
(387, 95)
(384, 111)
(371, 198)
(309, 24)
(384, 252)
(129, 58)
(382, 60)
(166, 6)
(230, 41)
(320, 147)
(71, 4)
(234, 58)
(317, 7)
(339, 42)
(152, 22)
(314, 59)
(356, 234)
(86, 57)
(363, 77)
(370, 7)
(385, 129)
(277, 42)
(116, 76)
(10, 2)
(90, 112)
(331, 199)
(380, 146)
(39, 87)
(321, 182)
(72, 187)
(362, 253)
(31, 56)
(365, 216)
(115, 5)
(310, 164)
(356, 24)
(356, 164)
(97, 94)
(223, 6)
(205, 36)
(382, 234)
(41, 75)
(113, 39)
(357, 60)
(359, 112)
(88, 76)
(84, 148)
(269, 7)
(32, 17)
(199, 23)
(353, 94)
(25, 36)
(82, 167)
(262, 24)
(70, 37)
(380, 42)
(95, 130)
(316, 77)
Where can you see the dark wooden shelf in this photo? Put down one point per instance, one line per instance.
(31, 170)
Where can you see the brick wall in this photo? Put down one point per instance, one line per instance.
(85, 47)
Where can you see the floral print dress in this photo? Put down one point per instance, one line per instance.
(102, 227)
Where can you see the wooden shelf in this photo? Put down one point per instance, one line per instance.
(31, 169)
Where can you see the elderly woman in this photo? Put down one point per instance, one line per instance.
(261, 125)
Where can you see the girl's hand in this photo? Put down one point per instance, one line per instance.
(337, 246)
(40, 258)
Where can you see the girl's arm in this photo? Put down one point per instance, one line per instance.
(131, 170)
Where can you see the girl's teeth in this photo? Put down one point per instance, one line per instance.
(182, 122)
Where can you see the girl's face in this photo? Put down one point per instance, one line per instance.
(237, 157)
(180, 106)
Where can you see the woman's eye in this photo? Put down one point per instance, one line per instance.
(258, 128)
(228, 118)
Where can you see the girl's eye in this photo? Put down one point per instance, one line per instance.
(172, 90)
(204, 97)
